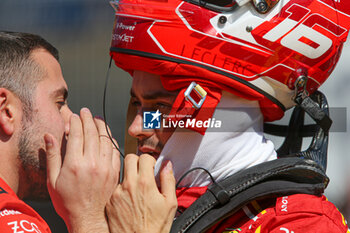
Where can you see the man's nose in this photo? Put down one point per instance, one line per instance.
(66, 113)
(136, 129)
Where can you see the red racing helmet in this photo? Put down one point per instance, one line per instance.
(255, 49)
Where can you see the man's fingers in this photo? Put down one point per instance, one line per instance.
(131, 167)
(75, 140)
(167, 181)
(53, 159)
(105, 142)
(116, 160)
(146, 168)
(91, 137)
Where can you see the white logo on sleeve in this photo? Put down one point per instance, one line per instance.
(7, 212)
(23, 226)
(284, 204)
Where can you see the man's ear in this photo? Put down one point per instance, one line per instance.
(8, 109)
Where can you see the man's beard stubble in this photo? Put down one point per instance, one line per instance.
(149, 142)
(33, 161)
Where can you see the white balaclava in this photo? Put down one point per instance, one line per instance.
(239, 144)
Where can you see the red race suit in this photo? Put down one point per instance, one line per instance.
(298, 213)
(16, 216)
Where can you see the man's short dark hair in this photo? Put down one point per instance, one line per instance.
(19, 73)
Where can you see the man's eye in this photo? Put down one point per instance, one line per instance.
(60, 104)
(163, 106)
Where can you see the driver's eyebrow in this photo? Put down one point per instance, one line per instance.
(61, 92)
(155, 94)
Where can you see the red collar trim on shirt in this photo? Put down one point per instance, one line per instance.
(186, 196)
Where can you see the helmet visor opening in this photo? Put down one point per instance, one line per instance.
(262, 6)
(216, 5)
(222, 3)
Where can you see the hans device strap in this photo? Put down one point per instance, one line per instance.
(284, 176)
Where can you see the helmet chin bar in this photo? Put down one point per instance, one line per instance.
(297, 130)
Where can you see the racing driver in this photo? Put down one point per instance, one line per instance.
(206, 76)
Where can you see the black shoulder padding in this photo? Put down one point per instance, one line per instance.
(280, 177)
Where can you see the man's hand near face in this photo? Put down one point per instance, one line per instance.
(137, 205)
(81, 186)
